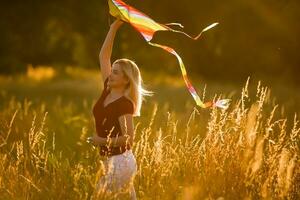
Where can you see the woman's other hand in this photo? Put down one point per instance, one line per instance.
(94, 140)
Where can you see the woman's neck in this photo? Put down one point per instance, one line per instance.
(117, 91)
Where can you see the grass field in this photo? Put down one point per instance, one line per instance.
(249, 151)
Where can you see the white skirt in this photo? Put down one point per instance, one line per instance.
(120, 171)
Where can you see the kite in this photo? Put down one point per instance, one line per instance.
(147, 27)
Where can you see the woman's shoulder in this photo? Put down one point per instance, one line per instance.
(105, 87)
(105, 82)
(125, 105)
(126, 101)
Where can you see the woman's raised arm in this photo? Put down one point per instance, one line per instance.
(106, 49)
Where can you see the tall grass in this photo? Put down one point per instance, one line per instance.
(248, 151)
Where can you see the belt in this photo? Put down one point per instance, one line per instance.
(108, 152)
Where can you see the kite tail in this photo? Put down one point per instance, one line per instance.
(182, 32)
(223, 103)
(175, 24)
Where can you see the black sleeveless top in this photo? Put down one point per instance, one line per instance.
(106, 119)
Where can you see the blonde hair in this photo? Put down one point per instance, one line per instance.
(135, 90)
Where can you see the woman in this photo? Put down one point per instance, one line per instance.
(120, 100)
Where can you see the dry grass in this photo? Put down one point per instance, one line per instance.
(245, 152)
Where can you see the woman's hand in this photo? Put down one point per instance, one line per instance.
(116, 24)
(94, 140)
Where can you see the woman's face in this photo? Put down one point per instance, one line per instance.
(117, 77)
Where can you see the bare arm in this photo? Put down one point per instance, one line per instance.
(106, 49)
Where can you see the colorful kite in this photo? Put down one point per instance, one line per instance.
(147, 27)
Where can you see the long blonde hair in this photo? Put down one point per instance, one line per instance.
(135, 90)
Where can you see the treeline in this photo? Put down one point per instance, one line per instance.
(253, 38)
